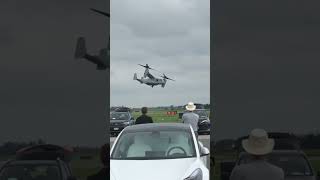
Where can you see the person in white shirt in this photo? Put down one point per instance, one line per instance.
(258, 145)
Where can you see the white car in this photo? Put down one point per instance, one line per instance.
(158, 151)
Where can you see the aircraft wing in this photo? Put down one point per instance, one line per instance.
(100, 12)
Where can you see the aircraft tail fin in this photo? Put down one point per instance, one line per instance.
(135, 76)
(164, 83)
(81, 49)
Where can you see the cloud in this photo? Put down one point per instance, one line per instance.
(171, 36)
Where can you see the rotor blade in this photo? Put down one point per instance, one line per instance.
(165, 77)
(171, 79)
(142, 65)
(145, 66)
(100, 12)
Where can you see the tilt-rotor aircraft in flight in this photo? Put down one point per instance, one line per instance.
(149, 79)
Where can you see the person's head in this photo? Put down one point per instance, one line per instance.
(104, 151)
(144, 110)
(190, 106)
(258, 143)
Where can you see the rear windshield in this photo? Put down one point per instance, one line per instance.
(30, 172)
(119, 116)
(154, 145)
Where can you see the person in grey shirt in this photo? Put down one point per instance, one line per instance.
(258, 145)
(189, 117)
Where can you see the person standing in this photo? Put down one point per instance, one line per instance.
(143, 119)
(258, 145)
(189, 117)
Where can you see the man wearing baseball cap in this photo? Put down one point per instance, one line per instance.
(258, 145)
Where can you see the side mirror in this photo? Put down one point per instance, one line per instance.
(204, 151)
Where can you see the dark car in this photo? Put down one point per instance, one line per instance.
(204, 121)
(36, 169)
(293, 162)
(120, 120)
(38, 162)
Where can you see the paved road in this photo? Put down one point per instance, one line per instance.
(205, 139)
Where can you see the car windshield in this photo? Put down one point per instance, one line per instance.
(119, 116)
(154, 145)
(292, 164)
(201, 113)
(30, 172)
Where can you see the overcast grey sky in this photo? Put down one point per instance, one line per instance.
(267, 56)
(46, 93)
(173, 36)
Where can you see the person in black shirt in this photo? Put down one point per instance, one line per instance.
(143, 119)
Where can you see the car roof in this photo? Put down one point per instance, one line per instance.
(120, 112)
(158, 126)
(44, 152)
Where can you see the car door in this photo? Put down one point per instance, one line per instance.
(203, 158)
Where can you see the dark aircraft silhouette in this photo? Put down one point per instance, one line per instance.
(103, 59)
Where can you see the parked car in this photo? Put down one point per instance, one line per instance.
(204, 123)
(120, 120)
(38, 162)
(158, 151)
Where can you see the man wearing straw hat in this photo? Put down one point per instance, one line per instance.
(258, 145)
(191, 118)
